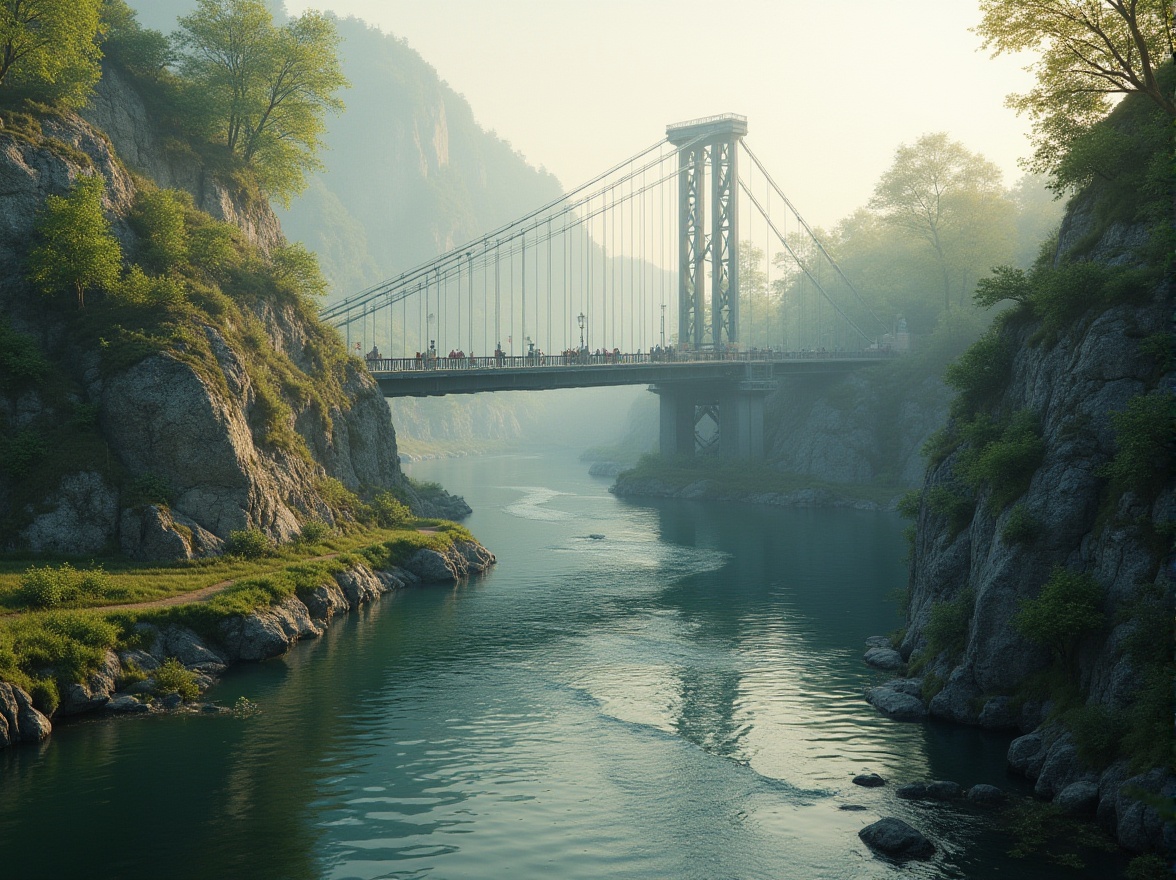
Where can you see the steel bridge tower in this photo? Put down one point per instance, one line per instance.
(712, 141)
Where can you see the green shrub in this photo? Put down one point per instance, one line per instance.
(908, 504)
(140, 289)
(1020, 526)
(46, 697)
(956, 506)
(249, 544)
(174, 678)
(61, 587)
(341, 499)
(1144, 436)
(980, 373)
(389, 512)
(158, 218)
(947, 628)
(1004, 464)
(1097, 733)
(19, 452)
(21, 361)
(1148, 867)
(1068, 608)
(939, 446)
(314, 532)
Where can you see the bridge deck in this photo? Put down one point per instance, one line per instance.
(434, 377)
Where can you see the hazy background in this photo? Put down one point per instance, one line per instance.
(830, 88)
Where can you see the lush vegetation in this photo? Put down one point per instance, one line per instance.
(44, 648)
(1068, 608)
(49, 50)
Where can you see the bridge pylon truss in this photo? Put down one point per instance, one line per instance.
(691, 234)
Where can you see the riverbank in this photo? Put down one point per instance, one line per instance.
(712, 479)
(160, 656)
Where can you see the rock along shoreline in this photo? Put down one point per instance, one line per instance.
(263, 634)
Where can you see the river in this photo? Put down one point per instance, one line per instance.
(636, 690)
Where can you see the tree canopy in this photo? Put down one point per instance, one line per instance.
(76, 250)
(262, 90)
(951, 199)
(1091, 50)
(48, 49)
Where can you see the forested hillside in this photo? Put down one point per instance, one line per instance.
(408, 172)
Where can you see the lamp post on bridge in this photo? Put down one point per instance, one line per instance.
(581, 320)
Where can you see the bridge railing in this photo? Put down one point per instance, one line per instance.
(428, 363)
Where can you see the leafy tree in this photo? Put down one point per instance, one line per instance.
(140, 50)
(48, 49)
(76, 249)
(158, 218)
(262, 89)
(939, 192)
(1004, 283)
(1091, 50)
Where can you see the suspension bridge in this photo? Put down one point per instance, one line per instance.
(578, 292)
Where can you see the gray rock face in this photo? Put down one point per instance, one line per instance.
(884, 658)
(957, 700)
(1078, 799)
(986, 795)
(460, 560)
(268, 632)
(1060, 768)
(117, 109)
(324, 602)
(127, 705)
(1026, 754)
(845, 429)
(899, 706)
(895, 838)
(156, 534)
(998, 714)
(360, 586)
(95, 693)
(19, 720)
(82, 521)
(1139, 826)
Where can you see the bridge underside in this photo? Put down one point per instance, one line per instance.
(439, 382)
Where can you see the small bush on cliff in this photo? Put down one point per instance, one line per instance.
(908, 504)
(1020, 526)
(21, 361)
(1068, 607)
(20, 451)
(1145, 441)
(389, 512)
(954, 504)
(249, 544)
(980, 373)
(1005, 463)
(947, 628)
(159, 218)
(174, 678)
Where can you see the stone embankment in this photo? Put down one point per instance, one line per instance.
(1119, 800)
(125, 682)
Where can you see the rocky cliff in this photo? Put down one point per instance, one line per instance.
(1040, 592)
(230, 403)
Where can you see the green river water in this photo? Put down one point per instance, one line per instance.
(681, 698)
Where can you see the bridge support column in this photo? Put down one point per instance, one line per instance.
(676, 430)
(741, 424)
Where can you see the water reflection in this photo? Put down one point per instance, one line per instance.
(679, 699)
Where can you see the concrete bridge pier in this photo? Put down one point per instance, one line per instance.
(740, 414)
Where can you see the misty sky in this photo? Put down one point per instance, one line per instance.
(830, 88)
